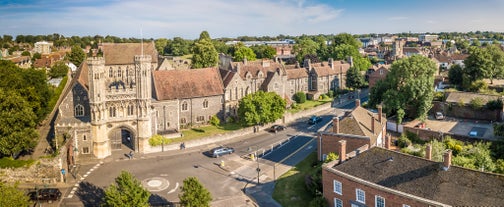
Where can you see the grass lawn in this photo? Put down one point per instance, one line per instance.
(204, 131)
(308, 105)
(290, 188)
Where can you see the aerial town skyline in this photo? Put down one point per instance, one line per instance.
(186, 19)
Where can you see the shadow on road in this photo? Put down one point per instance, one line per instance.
(89, 194)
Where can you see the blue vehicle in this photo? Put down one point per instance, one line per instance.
(314, 119)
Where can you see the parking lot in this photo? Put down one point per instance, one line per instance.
(480, 129)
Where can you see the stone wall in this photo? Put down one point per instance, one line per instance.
(43, 172)
(427, 135)
(465, 112)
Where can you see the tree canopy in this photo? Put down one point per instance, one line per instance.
(127, 191)
(77, 55)
(354, 78)
(178, 47)
(303, 47)
(12, 197)
(261, 107)
(59, 69)
(264, 51)
(204, 53)
(194, 194)
(408, 86)
(242, 52)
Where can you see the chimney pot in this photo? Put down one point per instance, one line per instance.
(336, 125)
(342, 150)
(447, 159)
(357, 102)
(380, 113)
(428, 152)
(387, 141)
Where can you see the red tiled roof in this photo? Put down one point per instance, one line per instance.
(253, 67)
(296, 73)
(190, 83)
(323, 69)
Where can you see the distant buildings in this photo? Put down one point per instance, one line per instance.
(43, 47)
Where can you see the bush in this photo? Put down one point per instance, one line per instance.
(414, 138)
(403, 142)
(157, 140)
(215, 120)
(8, 162)
(438, 96)
(331, 157)
(330, 93)
(324, 96)
(300, 97)
(494, 104)
(318, 201)
(476, 103)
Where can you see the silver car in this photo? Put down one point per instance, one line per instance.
(219, 151)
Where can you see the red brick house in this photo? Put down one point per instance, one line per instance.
(382, 177)
(376, 73)
(360, 129)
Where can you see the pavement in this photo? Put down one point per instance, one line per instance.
(254, 194)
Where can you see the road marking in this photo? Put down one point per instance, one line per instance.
(174, 189)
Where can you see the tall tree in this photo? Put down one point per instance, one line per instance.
(408, 86)
(264, 51)
(303, 47)
(59, 69)
(496, 69)
(204, 53)
(160, 45)
(194, 194)
(455, 74)
(12, 197)
(354, 78)
(178, 47)
(77, 55)
(478, 64)
(261, 107)
(17, 124)
(347, 39)
(127, 191)
(242, 52)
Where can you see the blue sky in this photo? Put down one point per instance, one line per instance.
(232, 18)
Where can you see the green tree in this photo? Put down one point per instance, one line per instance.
(242, 52)
(300, 97)
(194, 194)
(261, 107)
(12, 197)
(127, 191)
(17, 124)
(204, 53)
(408, 86)
(221, 46)
(346, 39)
(455, 74)
(478, 64)
(303, 47)
(60, 69)
(264, 51)
(77, 55)
(178, 47)
(160, 45)
(496, 69)
(36, 56)
(25, 53)
(354, 78)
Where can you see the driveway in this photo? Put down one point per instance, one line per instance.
(462, 127)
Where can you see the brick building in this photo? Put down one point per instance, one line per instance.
(360, 129)
(382, 177)
(376, 73)
(325, 76)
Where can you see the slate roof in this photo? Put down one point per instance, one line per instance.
(358, 122)
(227, 76)
(189, 83)
(424, 178)
(124, 53)
(324, 69)
(465, 97)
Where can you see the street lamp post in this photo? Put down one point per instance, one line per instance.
(258, 169)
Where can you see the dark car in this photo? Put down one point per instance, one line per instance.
(314, 119)
(276, 128)
(45, 194)
(219, 151)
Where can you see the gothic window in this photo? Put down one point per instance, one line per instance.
(112, 111)
(127, 72)
(183, 121)
(200, 118)
(205, 104)
(119, 72)
(84, 138)
(79, 110)
(111, 72)
(184, 106)
(131, 109)
(167, 124)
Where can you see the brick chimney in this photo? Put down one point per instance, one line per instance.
(387, 141)
(336, 125)
(372, 123)
(342, 150)
(380, 113)
(357, 102)
(447, 159)
(428, 152)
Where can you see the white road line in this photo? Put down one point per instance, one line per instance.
(174, 189)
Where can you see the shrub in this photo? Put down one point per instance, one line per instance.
(300, 97)
(157, 140)
(476, 103)
(403, 142)
(318, 201)
(8, 162)
(215, 120)
(438, 96)
(414, 138)
(494, 104)
(330, 93)
(324, 96)
(331, 157)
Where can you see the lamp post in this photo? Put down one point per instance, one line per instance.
(258, 169)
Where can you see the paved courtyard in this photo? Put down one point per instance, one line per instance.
(483, 129)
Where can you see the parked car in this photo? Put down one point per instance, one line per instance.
(276, 128)
(439, 116)
(219, 151)
(45, 194)
(314, 119)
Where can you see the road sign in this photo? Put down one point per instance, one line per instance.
(63, 171)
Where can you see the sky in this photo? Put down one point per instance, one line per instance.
(233, 18)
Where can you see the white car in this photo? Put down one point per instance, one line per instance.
(439, 116)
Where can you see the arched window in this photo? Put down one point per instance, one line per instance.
(205, 104)
(182, 120)
(84, 138)
(112, 111)
(131, 109)
(111, 72)
(79, 110)
(184, 106)
(119, 73)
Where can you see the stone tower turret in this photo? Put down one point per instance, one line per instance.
(143, 70)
